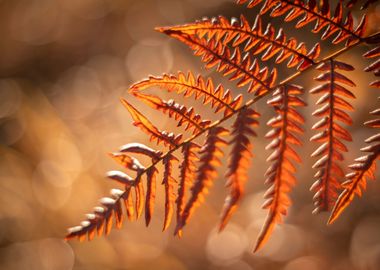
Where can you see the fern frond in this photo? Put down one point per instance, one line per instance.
(100, 220)
(185, 116)
(286, 127)
(220, 99)
(365, 166)
(356, 181)
(146, 126)
(306, 12)
(257, 40)
(140, 198)
(127, 161)
(130, 208)
(206, 173)
(187, 176)
(330, 152)
(151, 175)
(168, 182)
(239, 162)
(235, 65)
(142, 149)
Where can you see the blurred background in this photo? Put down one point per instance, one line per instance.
(63, 66)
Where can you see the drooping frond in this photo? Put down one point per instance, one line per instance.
(127, 161)
(102, 217)
(239, 161)
(332, 133)
(198, 86)
(286, 127)
(187, 176)
(365, 166)
(305, 12)
(168, 182)
(142, 149)
(140, 198)
(145, 125)
(210, 155)
(151, 175)
(185, 116)
(356, 182)
(258, 40)
(100, 221)
(131, 163)
(234, 64)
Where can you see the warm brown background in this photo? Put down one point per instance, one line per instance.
(63, 66)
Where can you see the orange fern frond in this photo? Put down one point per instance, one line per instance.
(239, 161)
(168, 182)
(142, 149)
(101, 219)
(257, 40)
(362, 170)
(306, 12)
(127, 161)
(187, 174)
(332, 134)
(134, 165)
(206, 172)
(365, 166)
(145, 125)
(189, 85)
(236, 65)
(150, 193)
(286, 127)
(140, 197)
(185, 116)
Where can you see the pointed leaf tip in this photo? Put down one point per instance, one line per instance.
(160, 29)
(333, 217)
(165, 30)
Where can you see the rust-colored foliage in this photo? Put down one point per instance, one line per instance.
(187, 176)
(240, 50)
(189, 85)
(185, 116)
(331, 133)
(210, 155)
(145, 125)
(365, 166)
(257, 39)
(285, 132)
(239, 160)
(169, 183)
(331, 21)
(235, 64)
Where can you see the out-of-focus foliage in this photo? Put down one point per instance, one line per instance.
(64, 64)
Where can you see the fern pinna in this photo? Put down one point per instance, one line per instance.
(242, 51)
